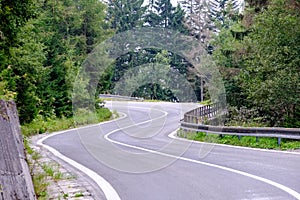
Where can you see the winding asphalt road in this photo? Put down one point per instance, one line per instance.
(137, 155)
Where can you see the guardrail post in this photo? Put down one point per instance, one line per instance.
(278, 141)
(239, 137)
(257, 139)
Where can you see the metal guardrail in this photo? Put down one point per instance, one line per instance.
(110, 96)
(194, 123)
(201, 114)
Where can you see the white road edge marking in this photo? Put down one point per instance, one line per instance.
(267, 181)
(109, 192)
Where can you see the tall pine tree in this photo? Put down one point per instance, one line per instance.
(161, 13)
(125, 14)
(197, 19)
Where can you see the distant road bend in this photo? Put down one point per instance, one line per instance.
(139, 160)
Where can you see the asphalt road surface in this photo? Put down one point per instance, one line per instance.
(137, 157)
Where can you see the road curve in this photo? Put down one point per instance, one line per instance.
(138, 159)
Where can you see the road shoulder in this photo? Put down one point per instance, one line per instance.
(73, 184)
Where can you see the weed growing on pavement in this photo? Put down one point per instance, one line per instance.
(41, 173)
(52, 171)
(39, 178)
(78, 195)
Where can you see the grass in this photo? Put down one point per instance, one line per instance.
(246, 141)
(40, 185)
(39, 179)
(78, 195)
(206, 102)
(52, 171)
(82, 117)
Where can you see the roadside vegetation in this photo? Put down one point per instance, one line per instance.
(245, 141)
(206, 102)
(42, 125)
(41, 172)
(258, 53)
(43, 44)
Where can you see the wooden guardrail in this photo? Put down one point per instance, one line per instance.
(15, 179)
(193, 121)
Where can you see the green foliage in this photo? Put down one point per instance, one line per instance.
(41, 125)
(157, 80)
(43, 44)
(125, 15)
(177, 20)
(27, 72)
(41, 57)
(228, 44)
(39, 178)
(259, 59)
(163, 14)
(154, 91)
(78, 195)
(271, 75)
(73, 29)
(13, 15)
(40, 185)
(5, 82)
(228, 49)
(52, 171)
(206, 102)
(105, 82)
(22, 71)
(245, 117)
(20, 56)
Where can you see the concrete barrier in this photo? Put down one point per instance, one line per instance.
(15, 179)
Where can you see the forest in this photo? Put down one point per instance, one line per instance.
(255, 45)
